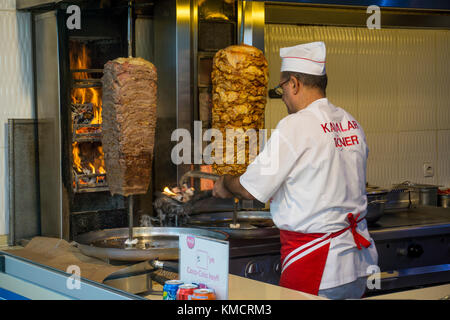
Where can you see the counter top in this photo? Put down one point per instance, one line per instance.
(430, 293)
(240, 288)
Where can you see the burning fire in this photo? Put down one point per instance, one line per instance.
(79, 59)
(87, 158)
(97, 167)
(182, 194)
(76, 157)
(168, 192)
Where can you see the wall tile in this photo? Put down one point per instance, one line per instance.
(415, 148)
(383, 161)
(16, 77)
(7, 4)
(16, 84)
(416, 80)
(377, 83)
(443, 79)
(443, 156)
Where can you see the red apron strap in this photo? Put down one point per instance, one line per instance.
(359, 239)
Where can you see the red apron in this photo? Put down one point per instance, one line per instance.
(303, 256)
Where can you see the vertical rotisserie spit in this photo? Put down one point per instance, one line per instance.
(129, 122)
(239, 77)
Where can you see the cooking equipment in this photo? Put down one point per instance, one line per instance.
(376, 201)
(444, 200)
(238, 224)
(399, 198)
(137, 277)
(421, 194)
(152, 242)
(252, 224)
(412, 250)
(427, 194)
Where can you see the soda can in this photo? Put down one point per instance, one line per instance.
(170, 289)
(203, 294)
(186, 290)
(200, 285)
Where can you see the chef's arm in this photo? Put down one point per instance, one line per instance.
(233, 185)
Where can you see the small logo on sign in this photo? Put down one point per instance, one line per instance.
(190, 242)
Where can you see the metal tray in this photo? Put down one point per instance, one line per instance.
(253, 224)
(153, 243)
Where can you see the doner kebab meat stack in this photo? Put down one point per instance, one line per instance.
(239, 77)
(129, 122)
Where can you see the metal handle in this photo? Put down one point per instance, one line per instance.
(165, 265)
(377, 201)
(199, 175)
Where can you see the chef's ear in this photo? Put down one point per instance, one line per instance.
(296, 83)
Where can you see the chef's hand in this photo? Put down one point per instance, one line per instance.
(220, 191)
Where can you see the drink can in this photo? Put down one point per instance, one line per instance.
(201, 285)
(186, 290)
(170, 289)
(203, 294)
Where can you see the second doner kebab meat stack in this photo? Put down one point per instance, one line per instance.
(129, 123)
(239, 77)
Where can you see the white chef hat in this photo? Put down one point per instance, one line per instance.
(305, 58)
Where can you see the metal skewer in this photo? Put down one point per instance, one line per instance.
(235, 225)
(130, 29)
(130, 242)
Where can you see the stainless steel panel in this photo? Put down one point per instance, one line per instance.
(28, 4)
(144, 38)
(24, 215)
(55, 281)
(253, 24)
(173, 61)
(49, 131)
(184, 103)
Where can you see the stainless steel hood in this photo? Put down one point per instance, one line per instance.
(35, 4)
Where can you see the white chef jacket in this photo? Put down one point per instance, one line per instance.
(313, 168)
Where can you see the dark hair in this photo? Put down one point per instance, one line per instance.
(309, 80)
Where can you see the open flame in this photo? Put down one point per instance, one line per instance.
(88, 159)
(96, 167)
(79, 59)
(181, 194)
(168, 192)
(76, 157)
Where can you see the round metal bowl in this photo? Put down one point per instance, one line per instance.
(153, 242)
(252, 224)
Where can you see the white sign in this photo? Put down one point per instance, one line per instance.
(205, 260)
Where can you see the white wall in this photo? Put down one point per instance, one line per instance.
(395, 82)
(16, 86)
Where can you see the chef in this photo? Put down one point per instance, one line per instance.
(313, 171)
